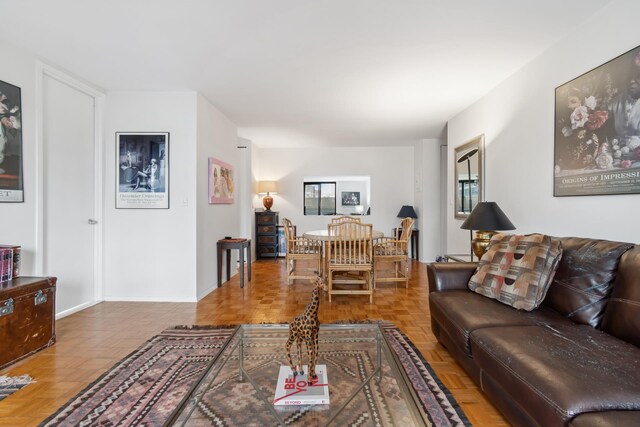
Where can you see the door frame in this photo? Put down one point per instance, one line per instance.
(45, 70)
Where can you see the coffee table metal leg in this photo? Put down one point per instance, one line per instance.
(378, 357)
(241, 356)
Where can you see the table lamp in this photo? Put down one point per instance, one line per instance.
(268, 188)
(407, 211)
(484, 218)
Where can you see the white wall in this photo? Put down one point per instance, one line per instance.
(256, 202)
(150, 254)
(350, 186)
(216, 137)
(18, 220)
(390, 168)
(517, 119)
(427, 188)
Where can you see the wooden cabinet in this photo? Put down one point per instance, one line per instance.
(27, 317)
(266, 234)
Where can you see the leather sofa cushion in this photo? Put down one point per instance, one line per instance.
(556, 373)
(581, 287)
(461, 312)
(622, 317)
(607, 419)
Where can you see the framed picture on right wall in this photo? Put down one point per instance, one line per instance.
(597, 130)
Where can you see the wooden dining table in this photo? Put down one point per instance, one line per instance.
(323, 236)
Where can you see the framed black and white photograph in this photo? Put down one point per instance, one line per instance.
(350, 198)
(142, 178)
(597, 130)
(11, 186)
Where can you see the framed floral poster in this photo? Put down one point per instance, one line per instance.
(597, 130)
(221, 182)
(11, 186)
(142, 176)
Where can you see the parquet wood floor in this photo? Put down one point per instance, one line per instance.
(91, 341)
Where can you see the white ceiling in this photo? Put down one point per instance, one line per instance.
(301, 72)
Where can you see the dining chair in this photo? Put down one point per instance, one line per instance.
(394, 250)
(349, 252)
(300, 249)
(341, 219)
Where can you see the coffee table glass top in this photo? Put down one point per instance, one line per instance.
(367, 385)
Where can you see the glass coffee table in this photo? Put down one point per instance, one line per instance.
(367, 384)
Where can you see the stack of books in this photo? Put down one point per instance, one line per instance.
(9, 262)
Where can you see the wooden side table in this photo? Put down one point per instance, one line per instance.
(415, 242)
(227, 245)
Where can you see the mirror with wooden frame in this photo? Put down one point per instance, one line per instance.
(468, 178)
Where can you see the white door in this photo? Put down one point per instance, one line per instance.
(69, 193)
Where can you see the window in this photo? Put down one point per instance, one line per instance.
(319, 198)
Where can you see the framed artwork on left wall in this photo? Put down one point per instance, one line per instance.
(11, 186)
(142, 175)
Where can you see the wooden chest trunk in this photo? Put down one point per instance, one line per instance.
(27, 317)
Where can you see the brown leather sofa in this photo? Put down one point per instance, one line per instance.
(573, 361)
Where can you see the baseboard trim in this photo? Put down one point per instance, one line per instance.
(76, 309)
(149, 299)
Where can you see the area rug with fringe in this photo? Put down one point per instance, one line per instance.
(9, 385)
(147, 386)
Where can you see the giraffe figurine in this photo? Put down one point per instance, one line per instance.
(304, 328)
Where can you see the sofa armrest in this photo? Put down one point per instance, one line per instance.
(448, 276)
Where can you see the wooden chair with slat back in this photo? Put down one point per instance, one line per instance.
(349, 251)
(341, 219)
(300, 249)
(394, 250)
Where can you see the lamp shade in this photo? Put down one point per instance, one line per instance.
(487, 216)
(468, 155)
(266, 187)
(407, 211)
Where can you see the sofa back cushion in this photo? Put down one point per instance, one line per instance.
(517, 270)
(622, 316)
(582, 285)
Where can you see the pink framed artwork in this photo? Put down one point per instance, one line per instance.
(221, 182)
